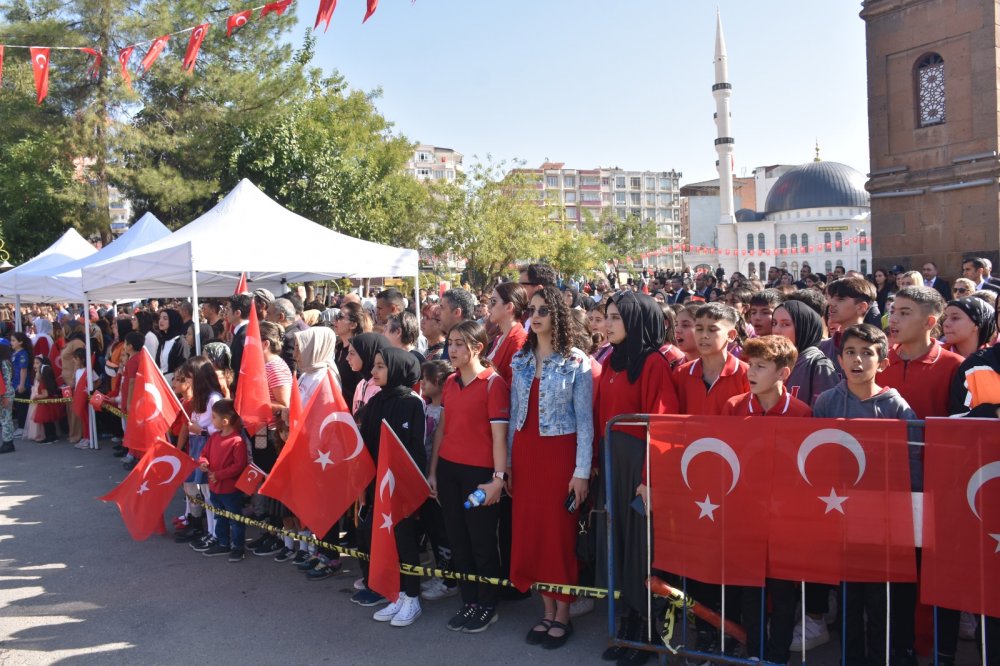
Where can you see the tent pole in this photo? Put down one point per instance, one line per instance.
(91, 417)
(17, 314)
(194, 307)
(416, 301)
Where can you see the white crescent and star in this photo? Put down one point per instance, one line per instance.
(388, 481)
(721, 449)
(144, 488)
(386, 522)
(198, 33)
(157, 400)
(324, 459)
(240, 21)
(346, 419)
(173, 461)
(41, 60)
(979, 478)
(819, 438)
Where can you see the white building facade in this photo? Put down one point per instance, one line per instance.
(434, 163)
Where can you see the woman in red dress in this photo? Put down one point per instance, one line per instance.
(552, 438)
(506, 307)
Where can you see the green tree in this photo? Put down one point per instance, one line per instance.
(578, 251)
(626, 238)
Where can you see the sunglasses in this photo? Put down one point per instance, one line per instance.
(542, 310)
(961, 290)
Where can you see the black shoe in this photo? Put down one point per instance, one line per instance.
(324, 571)
(627, 631)
(216, 550)
(537, 637)
(459, 619)
(634, 658)
(204, 544)
(235, 555)
(120, 453)
(8, 447)
(269, 548)
(129, 466)
(555, 642)
(260, 540)
(481, 620)
(308, 565)
(300, 557)
(284, 555)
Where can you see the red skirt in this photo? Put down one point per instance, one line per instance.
(544, 532)
(49, 412)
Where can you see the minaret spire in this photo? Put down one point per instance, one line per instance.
(722, 91)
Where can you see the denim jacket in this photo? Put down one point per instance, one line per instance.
(565, 401)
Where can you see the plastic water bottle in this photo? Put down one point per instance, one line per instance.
(476, 498)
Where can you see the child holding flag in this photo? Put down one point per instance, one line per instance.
(223, 460)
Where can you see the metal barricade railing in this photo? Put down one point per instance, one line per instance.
(680, 602)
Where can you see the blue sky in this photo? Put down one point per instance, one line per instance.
(609, 83)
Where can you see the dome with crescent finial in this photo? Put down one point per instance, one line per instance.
(817, 184)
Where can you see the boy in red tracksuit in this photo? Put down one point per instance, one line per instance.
(770, 359)
(224, 458)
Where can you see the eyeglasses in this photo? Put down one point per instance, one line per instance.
(493, 302)
(542, 310)
(340, 317)
(527, 284)
(961, 290)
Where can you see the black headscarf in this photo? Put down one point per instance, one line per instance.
(644, 332)
(366, 345)
(981, 313)
(405, 417)
(808, 324)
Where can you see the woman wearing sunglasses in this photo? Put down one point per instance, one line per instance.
(551, 442)
(505, 309)
(963, 287)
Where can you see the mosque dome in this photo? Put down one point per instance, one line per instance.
(747, 215)
(818, 185)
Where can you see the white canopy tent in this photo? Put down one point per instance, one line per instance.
(16, 282)
(245, 232)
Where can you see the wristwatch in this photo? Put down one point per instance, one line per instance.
(500, 475)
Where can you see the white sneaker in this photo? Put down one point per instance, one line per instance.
(83, 444)
(816, 634)
(967, 627)
(438, 590)
(387, 613)
(409, 611)
(359, 584)
(428, 584)
(581, 606)
(19, 433)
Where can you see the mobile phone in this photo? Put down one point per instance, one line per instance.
(571, 501)
(638, 505)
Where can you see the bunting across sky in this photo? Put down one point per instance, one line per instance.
(40, 55)
(708, 250)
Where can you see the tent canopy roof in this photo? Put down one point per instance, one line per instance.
(245, 232)
(71, 246)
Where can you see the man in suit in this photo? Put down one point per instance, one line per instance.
(932, 280)
(236, 314)
(680, 294)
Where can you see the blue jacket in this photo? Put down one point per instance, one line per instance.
(565, 401)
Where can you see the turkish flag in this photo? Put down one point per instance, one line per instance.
(324, 466)
(80, 399)
(145, 493)
(278, 8)
(241, 286)
(294, 405)
(1, 63)
(709, 485)
(250, 479)
(400, 489)
(154, 406)
(194, 45)
(95, 67)
(372, 6)
(40, 67)
(237, 21)
(325, 13)
(961, 558)
(841, 502)
(154, 52)
(123, 57)
(253, 399)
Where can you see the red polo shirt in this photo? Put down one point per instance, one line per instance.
(510, 345)
(749, 405)
(697, 399)
(652, 393)
(469, 413)
(923, 382)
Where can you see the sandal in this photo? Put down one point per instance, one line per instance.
(555, 642)
(536, 637)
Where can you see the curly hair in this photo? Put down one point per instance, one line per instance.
(562, 324)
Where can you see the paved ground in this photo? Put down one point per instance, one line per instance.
(75, 589)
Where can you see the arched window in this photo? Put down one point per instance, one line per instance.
(829, 267)
(827, 240)
(838, 242)
(840, 263)
(784, 265)
(795, 240)
(782, 241)
(763, 270)
(795, 268)
(929, 82)
(751, 269)
(805, 240)
(749, 241)
(864, 266)
(760, 242)
(863, 237)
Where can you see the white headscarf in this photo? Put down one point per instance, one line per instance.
(316, 357)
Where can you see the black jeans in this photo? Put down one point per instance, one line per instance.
(21, 408)
(472, 532)
(782, 595)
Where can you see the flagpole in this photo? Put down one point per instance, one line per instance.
(194, 309)
(17, 314)
(91, 419)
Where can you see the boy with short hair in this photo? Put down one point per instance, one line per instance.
(848, 301)
(864, 353)
(762, 305)
(770, 359)
(706, 383)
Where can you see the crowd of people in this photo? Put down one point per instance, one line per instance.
(508, 393)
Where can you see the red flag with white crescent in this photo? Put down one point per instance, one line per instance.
(842, 506)
(372, 6)
(154, 52)
(253, 400)
(278, 8)
(961, 536)
(40, 67)
(149, 488)
(95, 66)
(324, 466)
(241, 286)
(250, 479)
(400, 489)
(709, 486)
(123, 57)
(194, 45)
(1, 63)
(154, 406)
(294, 405)
(237, 21)
(325, 13)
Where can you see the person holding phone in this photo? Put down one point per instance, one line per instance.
(551, 442)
